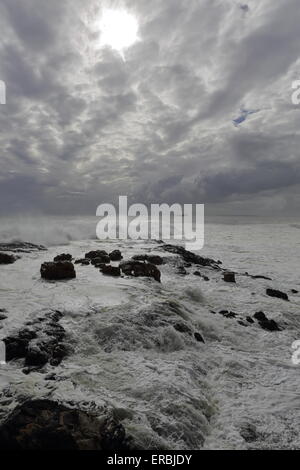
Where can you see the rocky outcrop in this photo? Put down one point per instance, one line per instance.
(137, 269)
(190, 257)
(48, 425)
(116, 255)
(58, 271)
(6, 258)
(104, 259)
(39, 343)
(277, 294)
(153, 259)
(63, 257)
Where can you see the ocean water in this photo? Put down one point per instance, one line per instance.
(238, 390)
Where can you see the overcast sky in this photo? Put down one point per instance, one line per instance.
(199, 111)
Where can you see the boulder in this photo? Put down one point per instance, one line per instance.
(116, 255)
(104, 259)
(229, 277)
(277, 293)
(49, 425)
(6, 258)
(63, 257)
(294, 291)
(265, 323)
(198, 337)
(111, 271)
(153, 259)
(96, 254)
(135, 268)
(58, 271)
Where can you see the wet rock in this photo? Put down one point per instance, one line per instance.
(58, 271)
(228, 314)
(83, 262)
(6, 258)
(199, 337)
(96, 254)
(277, 293)
(40, 345)
(265, 323)
(63, 257)
(229, 277)
(36, 357)
(182, 328)
(48, 425)
(197, 273)
(294, 291)
(116, 255)
(153, 259)
(111, 271)
(2, 316)
(249, 320)
(136, 268)
(104, 259)
(190, 257)
(261, 277)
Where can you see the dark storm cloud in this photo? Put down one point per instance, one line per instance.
(82, 126)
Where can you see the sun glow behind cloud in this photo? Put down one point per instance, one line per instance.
(119, 30)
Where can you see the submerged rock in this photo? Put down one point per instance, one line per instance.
(265, 323)
(21, 247)
(48, 425)
(58, 271)
(83, 262)
(229, 277)
(63, 257)
(277, 293)
(6, 258)
(135, 268)
(198, 337)
(153, 259)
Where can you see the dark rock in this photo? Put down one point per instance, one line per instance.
(197, 273)
(277, 293)
(63, 257)
(6, 258)
(2, 316)
(265, 323)
(116, 255)
(83, 262)
(104, 259)
(182, 328)
(261, 277)
(16, 348)
(260, 316)
(111, 271)
(48, 425)
(190, 257)
(229, 277)
(96, 254)
(36, 357)
(240, 322)
(294, 291)
(249, 320)
(58, 271)
(153, 259)
(198, 337)
(135, 268)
